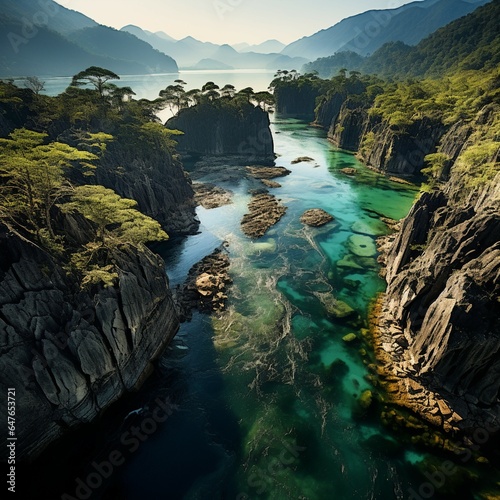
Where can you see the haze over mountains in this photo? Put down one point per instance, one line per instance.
(194, 54)
(50, 40)
(47, 39)
(366, 32)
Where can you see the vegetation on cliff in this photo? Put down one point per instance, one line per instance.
(221, 121)
(442, 267)
(54, 152)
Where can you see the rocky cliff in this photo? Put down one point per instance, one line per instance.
(389, 148)
(224, 128)
(156, 180)
(297, 101)
(68, 353)
(440, 325)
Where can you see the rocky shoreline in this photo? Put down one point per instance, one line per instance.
(433, 331)
(401, 384)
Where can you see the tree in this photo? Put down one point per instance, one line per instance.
(98, 77)
(174, 96)
(264, 100)
(118, 95)
(32, 175)
(34, 83)
(247, 92)
(116, 218)
(228, 91)
(117, 222)
(209, 86)
(193, 96)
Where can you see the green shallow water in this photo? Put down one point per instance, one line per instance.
(271, 398)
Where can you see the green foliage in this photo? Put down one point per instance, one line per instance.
(468, 43)
(95, 76)
(117, 223)
(117, 219)
(38, 174)
(367, 144)
(456, 97)
(476, 164)
(436, 164)
(107, 276)
(327, 67)
(33, 178)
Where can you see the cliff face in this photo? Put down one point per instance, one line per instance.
(296, 101)
(70, 354)
(156, 181)
(443, 275)
(395, 150)
(224, 129)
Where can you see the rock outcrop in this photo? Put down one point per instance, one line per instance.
(440, 315)
(211, 196)
(392, 149)
(156, 180)
(206, 285)
(316, 217)
(218, 128)
(267, 173)
(264, 211)
(69, 354)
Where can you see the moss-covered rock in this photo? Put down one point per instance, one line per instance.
(349, 338)
(362, 245)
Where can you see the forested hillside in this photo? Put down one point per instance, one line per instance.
(470, 42)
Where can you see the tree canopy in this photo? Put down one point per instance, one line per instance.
(96, 76)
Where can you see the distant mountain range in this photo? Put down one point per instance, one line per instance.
(191, 53)
(367, 32)
(62, 42)
(46, 39)
(468, 43)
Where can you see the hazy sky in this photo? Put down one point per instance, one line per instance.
(227, 21)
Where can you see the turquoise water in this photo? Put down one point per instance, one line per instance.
(269, 393)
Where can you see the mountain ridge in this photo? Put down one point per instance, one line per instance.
(380, 26)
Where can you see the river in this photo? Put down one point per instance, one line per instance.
(266, 400)
(269, 392)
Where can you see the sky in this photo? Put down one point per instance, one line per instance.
(227, 21)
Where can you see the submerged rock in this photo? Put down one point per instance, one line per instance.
(271, 184)
(348, 171)
(335, 307)
(211, 196)
(316, 217)
(366, 399)
(301, 159)
(372, 227)
(349, 338)
(361, 245)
